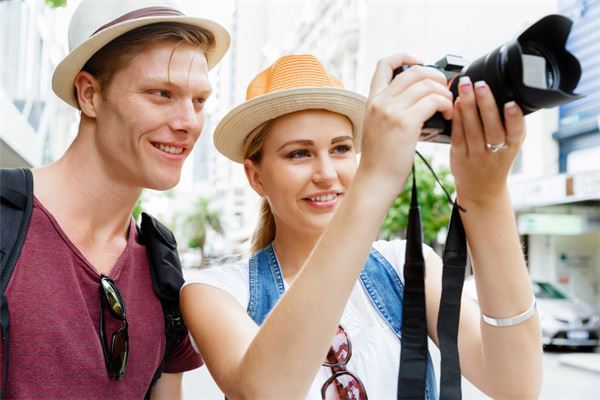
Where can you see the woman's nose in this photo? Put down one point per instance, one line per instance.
(325, 172)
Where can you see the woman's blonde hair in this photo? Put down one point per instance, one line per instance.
(265, 229)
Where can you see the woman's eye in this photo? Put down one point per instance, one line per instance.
(343, 148)
(298, 154)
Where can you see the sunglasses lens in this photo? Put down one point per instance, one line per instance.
(339, 352)
(115, 304)
(345, 386)
(119, 352)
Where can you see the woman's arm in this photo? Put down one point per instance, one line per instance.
(283, 356)
(504, 362)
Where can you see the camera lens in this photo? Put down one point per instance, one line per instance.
(539, 69)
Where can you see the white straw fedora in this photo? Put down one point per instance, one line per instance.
(293, 83)
(97, 22)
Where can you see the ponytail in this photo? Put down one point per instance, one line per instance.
(265, 230)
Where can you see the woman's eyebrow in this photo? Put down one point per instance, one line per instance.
(301, 141)
(341, 139)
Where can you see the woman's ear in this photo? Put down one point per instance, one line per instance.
(87, 87)
(253, 176)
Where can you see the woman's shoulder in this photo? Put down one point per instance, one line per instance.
(394, 250)
(232, 278)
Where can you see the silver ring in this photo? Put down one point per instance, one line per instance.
(496, 147)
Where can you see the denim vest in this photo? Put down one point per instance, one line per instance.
(378, 278)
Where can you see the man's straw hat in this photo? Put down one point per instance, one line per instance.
(95, 23)
(293, 83)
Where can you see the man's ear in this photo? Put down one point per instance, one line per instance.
(253, 176)
(87, 90)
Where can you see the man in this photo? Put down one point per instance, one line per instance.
(138, 73)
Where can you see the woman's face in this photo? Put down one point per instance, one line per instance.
(308, 163)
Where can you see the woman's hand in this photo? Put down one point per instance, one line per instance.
(396, 111)
(479, 171)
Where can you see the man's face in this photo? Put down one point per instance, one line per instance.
(151, 114)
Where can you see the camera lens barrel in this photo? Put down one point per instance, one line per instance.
(535, 70)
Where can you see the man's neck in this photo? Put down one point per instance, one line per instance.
(79, 191)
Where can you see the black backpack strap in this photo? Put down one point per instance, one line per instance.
(16, 207)
(453, 276)
(167, 279)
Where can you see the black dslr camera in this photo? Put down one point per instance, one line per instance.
(535, 70)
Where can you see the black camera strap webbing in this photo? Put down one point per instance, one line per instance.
(413, 356)
(453, 275)
(413, 353)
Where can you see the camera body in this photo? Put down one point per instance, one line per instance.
(535, 70)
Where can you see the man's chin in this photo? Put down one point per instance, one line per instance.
(163, 184)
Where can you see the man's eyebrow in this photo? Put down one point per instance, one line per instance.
(162, 82)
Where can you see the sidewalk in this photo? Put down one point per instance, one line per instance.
(588, 362)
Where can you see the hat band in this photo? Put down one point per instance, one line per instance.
(140, 13)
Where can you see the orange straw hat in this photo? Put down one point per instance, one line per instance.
(293, 83)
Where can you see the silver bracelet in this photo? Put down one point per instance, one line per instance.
(512, 321)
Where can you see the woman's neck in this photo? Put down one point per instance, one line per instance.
(292, 250)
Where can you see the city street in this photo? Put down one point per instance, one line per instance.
(561, 382)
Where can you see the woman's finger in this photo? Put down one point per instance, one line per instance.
(417, 91)
(470, 116)
(385, 69)
(514, 122)
(414, 75)
(458, 144)
(492, 125)
(424, 109)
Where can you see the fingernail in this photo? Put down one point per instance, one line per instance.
(464, 84)
(480, 88)
(510, 108)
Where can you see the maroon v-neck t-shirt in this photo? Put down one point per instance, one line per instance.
(54, 300)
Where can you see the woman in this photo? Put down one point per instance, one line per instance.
(297, 136)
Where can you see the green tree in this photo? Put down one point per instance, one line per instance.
(137, 210)
(435, 208)
(199, 221)
(56, 3)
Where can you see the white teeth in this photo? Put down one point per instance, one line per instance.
(327, 197)
(169, 149)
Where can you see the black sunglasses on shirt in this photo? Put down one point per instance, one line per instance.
(115, 355)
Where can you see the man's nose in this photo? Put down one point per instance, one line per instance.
(186, 118)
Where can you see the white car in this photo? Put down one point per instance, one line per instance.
(565, 319)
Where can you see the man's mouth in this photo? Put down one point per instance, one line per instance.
(168, 149)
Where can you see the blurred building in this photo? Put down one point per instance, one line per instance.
(559, 207)
(35, 126)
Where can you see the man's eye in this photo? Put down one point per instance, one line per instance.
(162, 93)
(298, 154)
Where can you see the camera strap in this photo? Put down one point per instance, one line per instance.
(414, 352)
